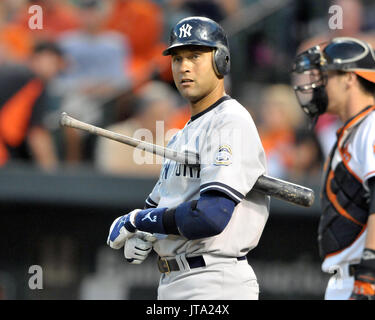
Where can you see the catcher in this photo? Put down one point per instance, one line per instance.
(339, 78)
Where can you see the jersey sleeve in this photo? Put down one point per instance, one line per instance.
(232, 156)
(367, 152)
(153, 199)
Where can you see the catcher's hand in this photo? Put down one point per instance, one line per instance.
(363, 291)
(137, 248)
(364, 277)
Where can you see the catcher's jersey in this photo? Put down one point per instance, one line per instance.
(232, 158)
(356, 150)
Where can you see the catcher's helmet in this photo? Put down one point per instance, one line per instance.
(351, 55)
(311, 66)
(201, 31)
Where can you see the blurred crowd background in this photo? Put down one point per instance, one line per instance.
(101, 62)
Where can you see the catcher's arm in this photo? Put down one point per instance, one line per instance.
(364, 277)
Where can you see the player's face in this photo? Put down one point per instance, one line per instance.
(336, 92)
(193, 72)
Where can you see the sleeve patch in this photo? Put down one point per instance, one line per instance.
(224, 156)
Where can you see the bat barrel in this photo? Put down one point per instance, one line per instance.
(285, 191)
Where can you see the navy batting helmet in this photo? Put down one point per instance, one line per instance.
(201, 31)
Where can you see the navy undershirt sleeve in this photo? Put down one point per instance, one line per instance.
(205, 217)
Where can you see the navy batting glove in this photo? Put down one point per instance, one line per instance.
(150, 220)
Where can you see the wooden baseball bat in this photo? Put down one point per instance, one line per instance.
(274, 187)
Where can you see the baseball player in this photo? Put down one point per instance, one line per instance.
(205, 219)
(339, 78)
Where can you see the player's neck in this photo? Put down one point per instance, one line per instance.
(355, 105)
(207, 101)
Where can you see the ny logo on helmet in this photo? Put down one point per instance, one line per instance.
(185, 31)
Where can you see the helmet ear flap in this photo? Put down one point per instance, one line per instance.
(214, 64)
(221, 61)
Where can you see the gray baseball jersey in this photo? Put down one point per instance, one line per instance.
(232, 158)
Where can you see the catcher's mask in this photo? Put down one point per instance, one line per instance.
(310, 70)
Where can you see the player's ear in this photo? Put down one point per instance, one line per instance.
(351, 78)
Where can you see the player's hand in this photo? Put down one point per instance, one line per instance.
(363, 291)
(122, 229)
(137, 248)
(364, 277)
